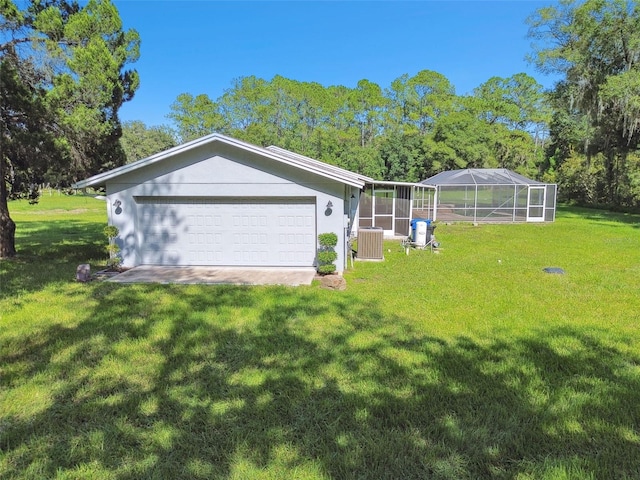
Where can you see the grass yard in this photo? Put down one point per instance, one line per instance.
(470, 363)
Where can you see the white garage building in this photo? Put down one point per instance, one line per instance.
(222, 202)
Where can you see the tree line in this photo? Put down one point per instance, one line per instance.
(64, 74)
(582, 134)
(414, 128)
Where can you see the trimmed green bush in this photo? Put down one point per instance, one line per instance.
(326, 253)
(328, 240)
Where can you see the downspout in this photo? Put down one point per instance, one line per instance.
(346, 202)
(435, 204)
(351, 219)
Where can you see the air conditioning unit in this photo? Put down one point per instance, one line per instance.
(370, 243)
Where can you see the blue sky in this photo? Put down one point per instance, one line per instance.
(201, 46)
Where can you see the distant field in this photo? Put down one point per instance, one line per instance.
(466, 363)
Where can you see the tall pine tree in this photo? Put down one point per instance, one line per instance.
(63, 80)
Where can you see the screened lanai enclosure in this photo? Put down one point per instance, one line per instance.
(472, 195)
(491, 195)
(392, 205)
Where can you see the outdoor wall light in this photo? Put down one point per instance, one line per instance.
(117, 204)
(329, 210)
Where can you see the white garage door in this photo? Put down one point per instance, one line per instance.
(264, 232)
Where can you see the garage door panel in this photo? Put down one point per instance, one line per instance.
(251, 257)
(250, 221)
(270, 233)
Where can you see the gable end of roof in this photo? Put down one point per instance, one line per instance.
(274, 153)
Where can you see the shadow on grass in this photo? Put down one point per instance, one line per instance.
(49, 252)
(172, 382)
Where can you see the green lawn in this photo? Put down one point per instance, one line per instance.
(469, 363)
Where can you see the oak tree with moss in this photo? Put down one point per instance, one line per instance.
(595, 46)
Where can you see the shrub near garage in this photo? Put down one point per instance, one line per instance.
(327, 253)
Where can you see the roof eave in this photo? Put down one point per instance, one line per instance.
(101, 178)
(326, 169)
(401, 184)
(344, 176)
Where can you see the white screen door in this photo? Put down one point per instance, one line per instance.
(535, 207)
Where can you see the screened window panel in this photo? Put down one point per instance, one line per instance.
(403, 202)
(536, 212)
(450, 195)
(523, 196)
(536, 196)
(551, 196)
(549, 215)
(366, 222)
(365, 204)
(496, 214)
(383, 202)
(503, 197)
(384, 221)
(402, 227)
(422, 213)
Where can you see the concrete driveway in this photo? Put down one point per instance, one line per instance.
(217, 275)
